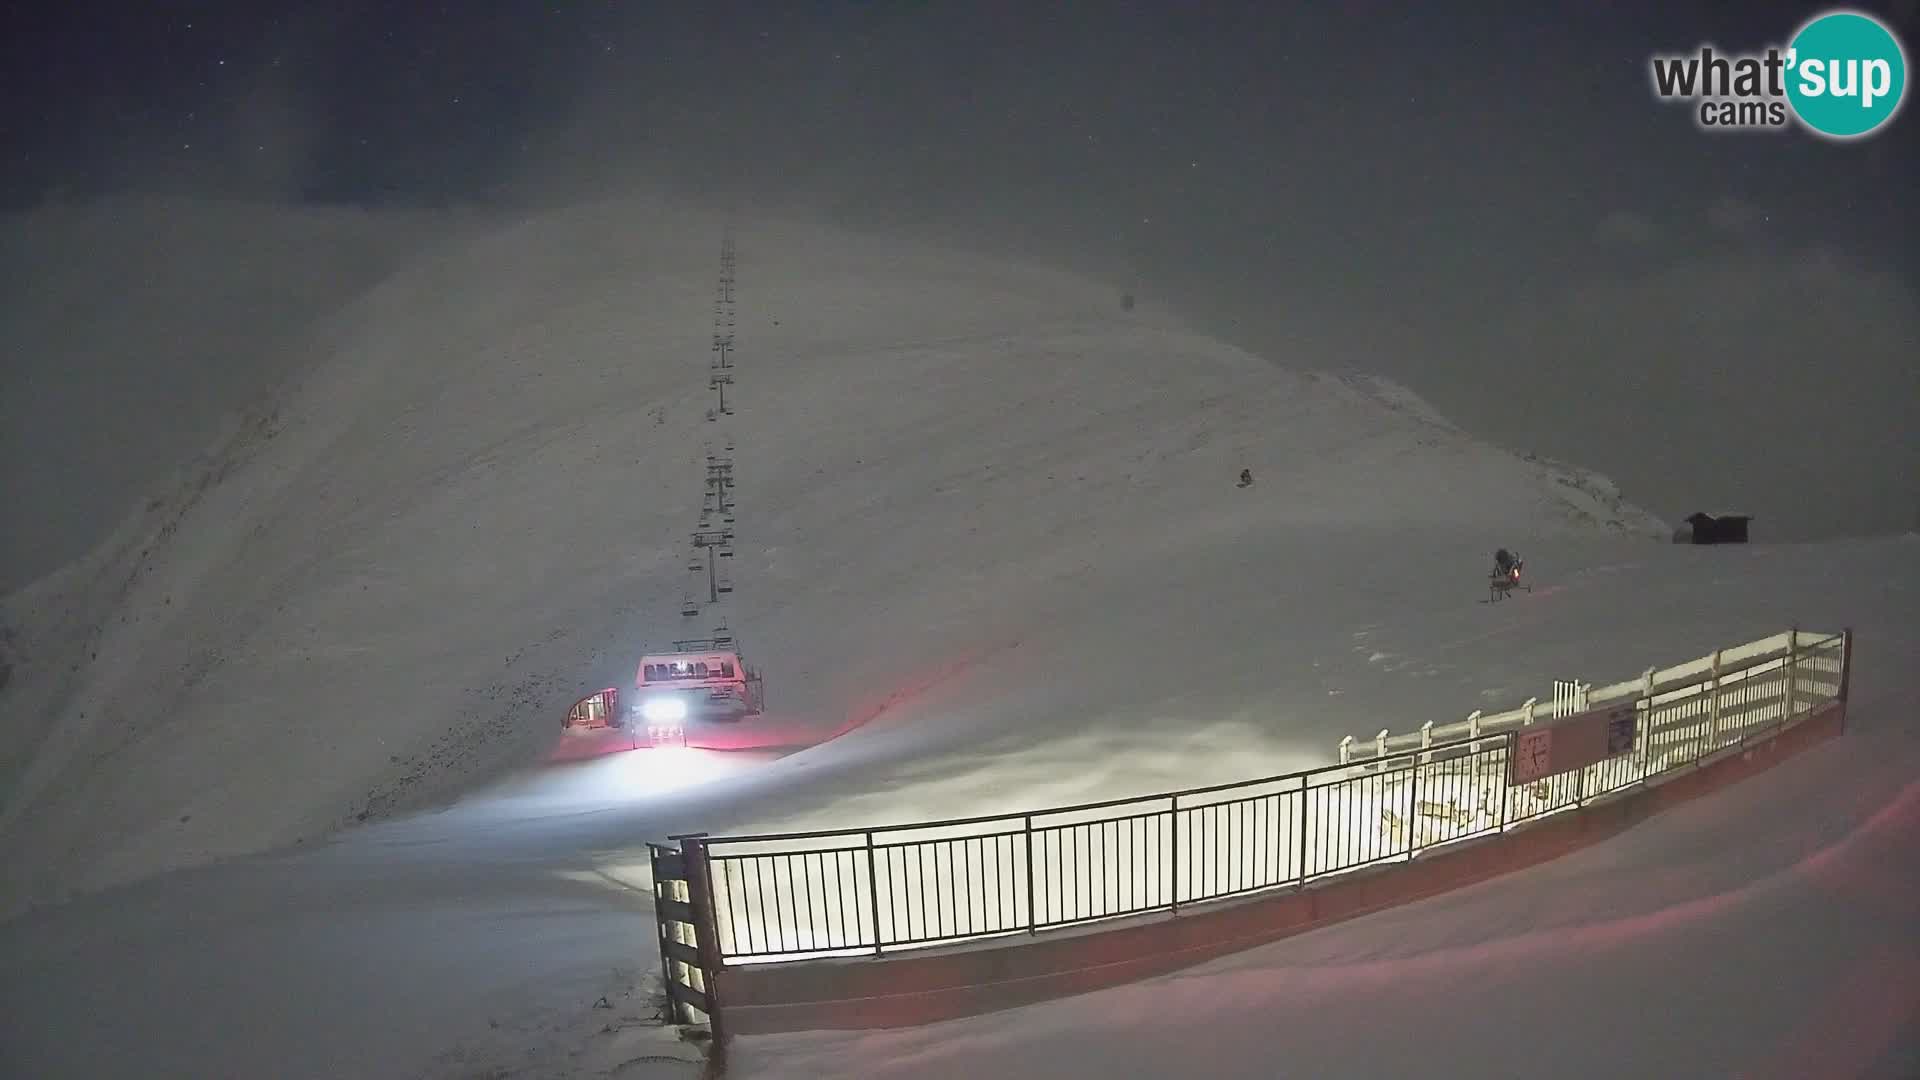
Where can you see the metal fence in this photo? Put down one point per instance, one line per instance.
(869, 891)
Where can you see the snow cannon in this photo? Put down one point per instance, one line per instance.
(1506, 575)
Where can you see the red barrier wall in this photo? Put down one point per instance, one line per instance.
(904, 989)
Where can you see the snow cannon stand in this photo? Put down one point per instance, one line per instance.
(1501, 585)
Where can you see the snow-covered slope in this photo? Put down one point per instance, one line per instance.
(978, 495)
(133, 326)
(472, 506)
(1767, 931)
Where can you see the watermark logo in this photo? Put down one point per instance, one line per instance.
(1842, 75)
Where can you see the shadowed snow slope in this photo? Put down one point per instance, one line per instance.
(132, 327)
(471, 506)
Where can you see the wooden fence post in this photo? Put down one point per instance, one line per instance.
(706, 930)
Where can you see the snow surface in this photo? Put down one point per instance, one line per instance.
(134, 327)
(988, 521)
(474, 509)
(1771, 931)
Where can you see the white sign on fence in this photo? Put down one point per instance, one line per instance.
(1583, 739)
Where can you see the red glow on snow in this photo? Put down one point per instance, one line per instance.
(1858, 1019)
(773, 730)
(910, 686)
(584, 746)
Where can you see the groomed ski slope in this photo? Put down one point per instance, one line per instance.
(471, 506)
(981, 510)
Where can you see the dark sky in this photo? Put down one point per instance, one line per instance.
(1432, 191)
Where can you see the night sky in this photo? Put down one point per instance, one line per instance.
(1445, 193)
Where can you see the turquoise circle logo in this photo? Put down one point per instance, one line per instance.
(1846, 76)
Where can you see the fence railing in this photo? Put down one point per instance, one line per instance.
(1678, 679)
(852, 891)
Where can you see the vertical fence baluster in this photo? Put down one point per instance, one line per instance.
(760, 894)
(806, 889)
(873, 891)
(1786, 700)
(943, 895)
(920, 875)
(1173, 858)
(1026, 830)
(1413, 799)
(1506, 761)
(1106, 873)
(1303, 832)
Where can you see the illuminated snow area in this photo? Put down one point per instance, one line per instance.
(960, 482)
(1765, 932)
(986, 517)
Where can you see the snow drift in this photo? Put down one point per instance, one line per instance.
(468, 506)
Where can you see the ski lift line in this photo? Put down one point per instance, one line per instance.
(709, 543)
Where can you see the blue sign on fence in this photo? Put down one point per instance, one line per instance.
(1621, 725)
